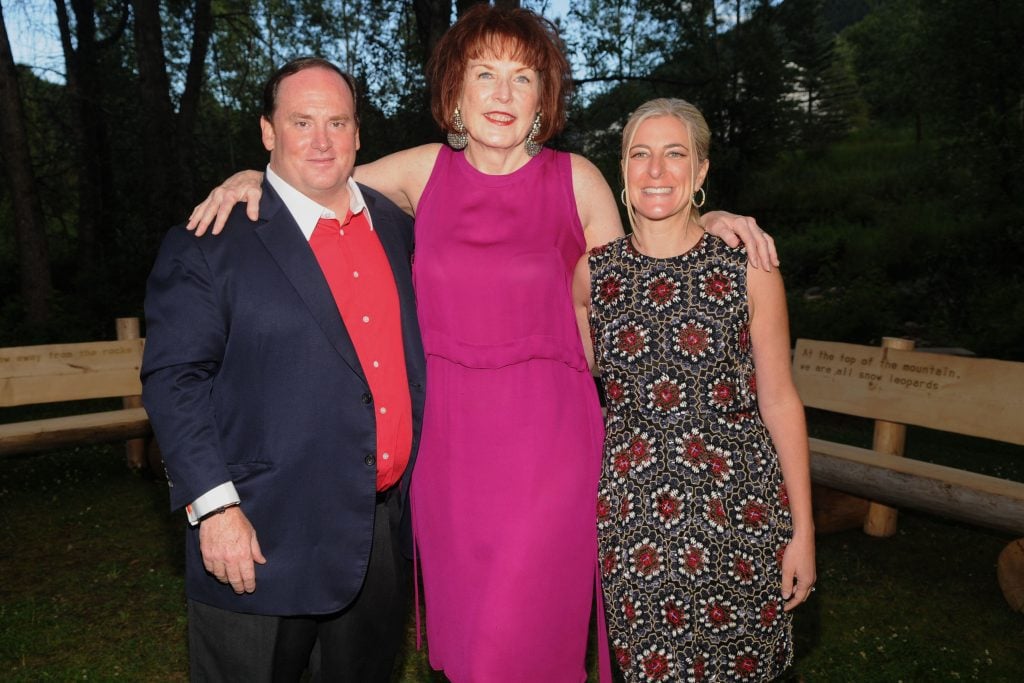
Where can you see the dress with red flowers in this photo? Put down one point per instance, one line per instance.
(692, 513)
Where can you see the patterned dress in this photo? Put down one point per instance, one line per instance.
(693, 517)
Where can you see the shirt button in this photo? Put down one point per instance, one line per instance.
(376, 363)
(383, 411)
(366, 318)
(367, 399)
(370, 460)
(355, 273)
(341, 232)
(385, 456)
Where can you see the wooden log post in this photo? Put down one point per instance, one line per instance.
(890, 438)
(914, 484)
(835, 510)
(1010, 572)
(135, 449)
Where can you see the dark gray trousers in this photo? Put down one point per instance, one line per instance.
(358, 644)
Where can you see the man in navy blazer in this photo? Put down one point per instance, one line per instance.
(287, 404)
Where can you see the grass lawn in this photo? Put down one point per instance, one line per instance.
(91, 582)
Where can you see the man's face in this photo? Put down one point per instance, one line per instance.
(313, 136)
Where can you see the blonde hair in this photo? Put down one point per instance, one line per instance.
(690, 116)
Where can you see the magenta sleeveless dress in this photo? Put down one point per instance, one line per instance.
(506, 478)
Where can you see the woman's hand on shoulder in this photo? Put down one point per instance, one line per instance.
(595, 203)
(401, 176)
(244, 186)
(733, 229)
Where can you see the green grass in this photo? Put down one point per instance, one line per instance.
(90, 571)
(91, 581)
(923, 605)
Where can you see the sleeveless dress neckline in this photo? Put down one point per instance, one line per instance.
(697, 246)
(461, 163)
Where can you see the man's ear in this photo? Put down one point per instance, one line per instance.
(267, 130)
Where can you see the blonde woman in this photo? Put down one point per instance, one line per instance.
(704, 510)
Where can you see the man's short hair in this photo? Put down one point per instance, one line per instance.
(294, 67)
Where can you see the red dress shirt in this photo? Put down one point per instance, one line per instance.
(360, 278)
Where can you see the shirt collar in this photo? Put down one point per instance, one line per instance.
(307, 212)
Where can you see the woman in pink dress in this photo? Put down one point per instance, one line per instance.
(509, 459)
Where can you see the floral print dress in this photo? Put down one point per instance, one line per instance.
(693, 516)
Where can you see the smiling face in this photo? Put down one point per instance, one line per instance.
(661, 169)
(313, 135)
(499, 101)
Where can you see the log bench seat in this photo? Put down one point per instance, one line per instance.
(57, 373)
(896, 386)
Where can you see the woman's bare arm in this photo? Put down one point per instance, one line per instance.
(400, 177)
(783, 415)
(581, 303)
(595, 204)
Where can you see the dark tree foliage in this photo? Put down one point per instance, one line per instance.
(160, 101)
(949, 70)
(770, 82)
(882, 141)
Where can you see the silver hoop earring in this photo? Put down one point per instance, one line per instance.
(703, 197)
(457, 138)
(533, 147)
(622, 198)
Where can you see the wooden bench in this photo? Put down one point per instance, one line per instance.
(896, 386)
(72, 372)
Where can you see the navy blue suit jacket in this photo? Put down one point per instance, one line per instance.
(249, 376)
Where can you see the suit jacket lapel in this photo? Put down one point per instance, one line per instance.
(288, 247)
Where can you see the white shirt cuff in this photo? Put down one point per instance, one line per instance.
(217, 497)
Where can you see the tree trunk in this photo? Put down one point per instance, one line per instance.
(84, 87)
(461, 6)
(433, 17)
(202, 29)
(168, 140)
(36, 283)
(159, 125)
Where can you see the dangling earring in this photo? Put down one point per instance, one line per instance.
(703, 197)
(457, 138)
(533, 147)
(622, 198)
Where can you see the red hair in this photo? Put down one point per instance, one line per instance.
(517, 34)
